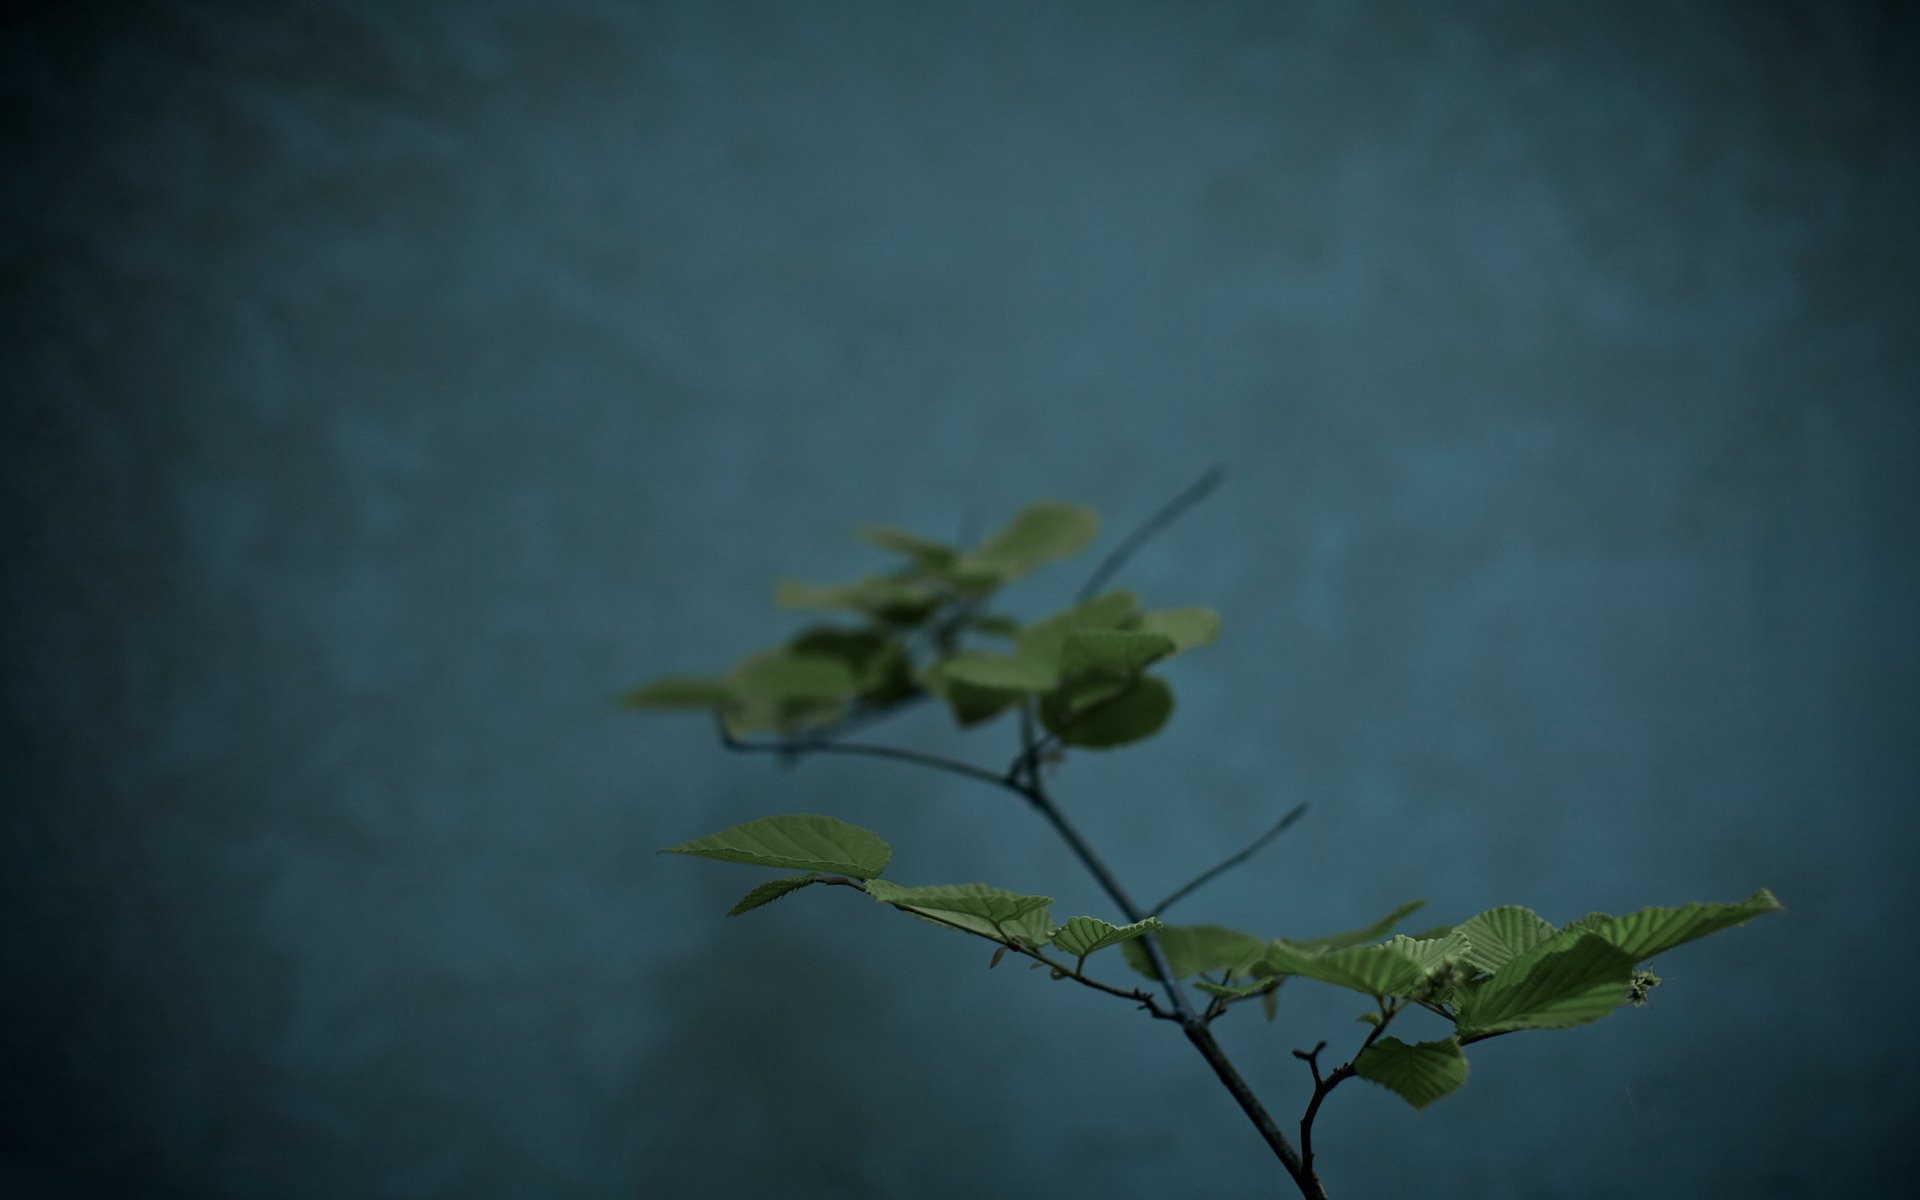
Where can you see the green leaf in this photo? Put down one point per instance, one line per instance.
(1371, 970)
(927, 553)
(996, 625)
(1005, 672)
(1500, 934)
(1434, 954)
(1185, 627)
(1366, 933)
(972, 705)
(1114, 651)
(777, 676)
(974, 907)
(1038, 534)
(770, 891)
(1191, 949)
(797, 841)
(1570, 979)
(679, 691)
(1045, 639)
(1135, 713)
(1081, 936)
(887, 598)
(1419, 1073)
(1641, 935)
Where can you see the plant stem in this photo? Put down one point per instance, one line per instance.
(1207, 875)
(1167, 515)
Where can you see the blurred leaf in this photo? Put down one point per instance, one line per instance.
(679, 691)
(1005, 672)
(1045, 638)
(1419, 1073)
(1191, 949)
(1238, 991)
(1038, 534)
(778, 675)
(973, 705)
(927, 553)
(797, 841)
(1114, 651)
(1185, 627)
(889, 598)
(770, 891)
(1135, 713)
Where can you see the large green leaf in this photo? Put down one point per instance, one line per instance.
(1366, 933)
(1569, 979)
(1191, 949)
(1185, 627)
(796, 841)
(679, 691)
(1371, 970)
(1081, 936)
(975, 907)
(1434, 954)
(1113, 651)
(1038, 534)
(1499, 934)
(772, 890)
(1641, 935)
(1419, 1073)
(1136, 712)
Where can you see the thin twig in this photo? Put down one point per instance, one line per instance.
(1168, 514)
(1322, 1088)
(1279, 828)
(792, 748)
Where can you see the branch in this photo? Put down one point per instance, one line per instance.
(1279, 828)
(1168, 514)
(794, 748)
(1324, 1087)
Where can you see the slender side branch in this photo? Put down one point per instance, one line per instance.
(798, 747)
(1169, 513)
(1322, 1087)
(1210, 873)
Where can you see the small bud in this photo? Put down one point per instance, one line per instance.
(1643, 981)
(998, 954)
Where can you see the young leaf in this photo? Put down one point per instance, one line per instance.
(975, 907)
(1499, 934)
(1570, 979)
(1186, 628)
(1366, 933)
(798, 841)
(1641, 935)
(1191, 949)
(1433, 954)
(679, 691)
(1113, 651)
(1419, 1073)
(1081, 936)
(1135, 713)
(1038, 534)
(971, 704)
(1370, 970)
(770, 891)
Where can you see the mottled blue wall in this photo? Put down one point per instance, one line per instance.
(386, 386)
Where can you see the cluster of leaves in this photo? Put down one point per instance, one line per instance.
(926, 628)
(1504, 970)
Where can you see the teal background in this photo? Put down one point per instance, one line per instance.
(386, 387)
